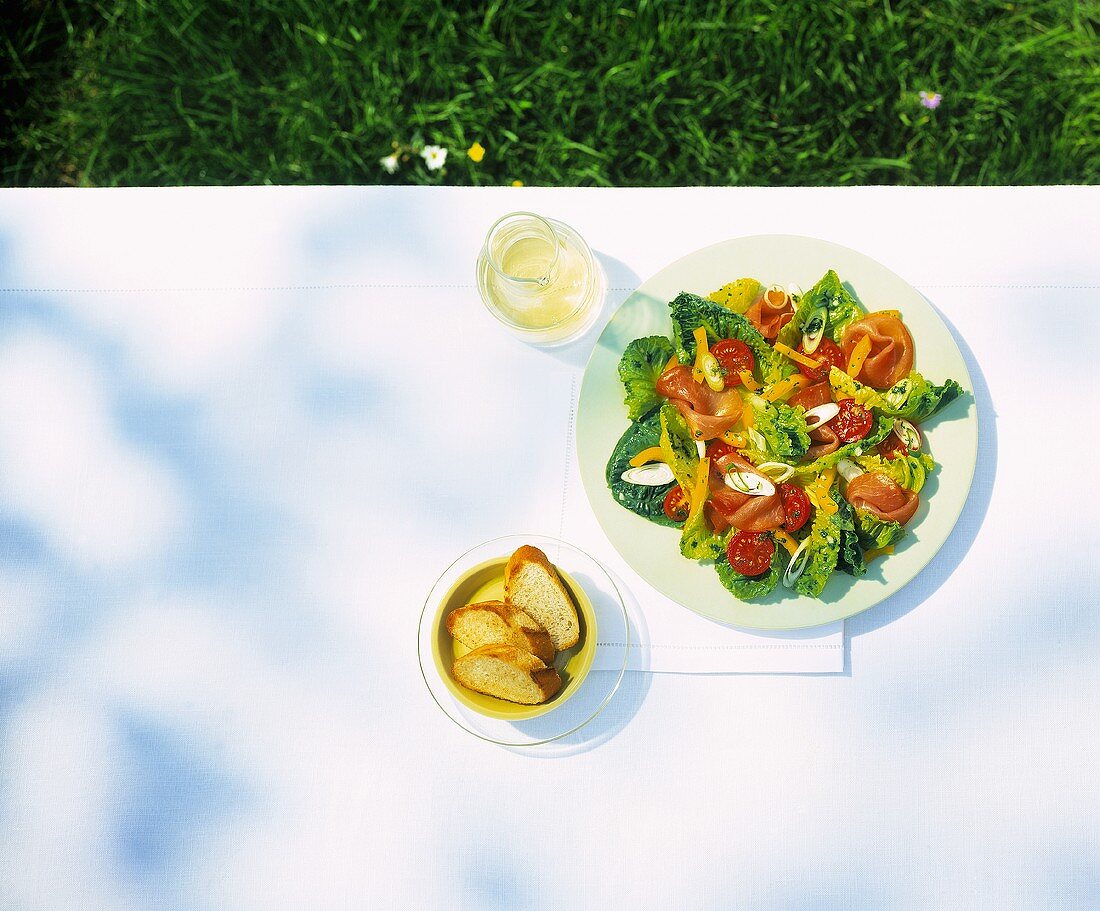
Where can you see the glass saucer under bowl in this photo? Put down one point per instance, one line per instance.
(587, 689)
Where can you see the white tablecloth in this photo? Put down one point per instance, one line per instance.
(210, 565)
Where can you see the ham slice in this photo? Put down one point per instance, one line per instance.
(709, 414)
(882, 496)
(727, 507)
(812, 396)
(769, 315)
(824, 441)
(892, 349)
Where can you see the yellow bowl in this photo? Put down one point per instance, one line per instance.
(485, 582)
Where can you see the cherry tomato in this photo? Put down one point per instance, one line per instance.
(733, 356)
(750, 552)
(796, 506)
(829, 354)
(853, 423)
(677, 505)
(718, 448)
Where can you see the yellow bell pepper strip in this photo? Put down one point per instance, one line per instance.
(700, 488)
(868, 556)
(859, 355)
(673, 361)
(785, 387)
(734, 439)
(747, 417)
(750, 383)
(818, 491)
(796, 356)
(701, 349)
(652, 454)
(789, 544)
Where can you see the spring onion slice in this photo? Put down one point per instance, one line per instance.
(777, 471)
(814, 330)
(747, 483)
(822, 414)
(654, 475)
(908, 434)
(848, 470)
(799, 561)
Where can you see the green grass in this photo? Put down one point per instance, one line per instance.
(788, 92)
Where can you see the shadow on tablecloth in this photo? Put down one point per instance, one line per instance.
(954, 551)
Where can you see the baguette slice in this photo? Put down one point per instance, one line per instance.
(497, 623)
(508, 673)
(532, 585)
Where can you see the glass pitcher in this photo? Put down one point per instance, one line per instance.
(539, 278)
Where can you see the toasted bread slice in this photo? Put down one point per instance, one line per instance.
(497, 623)
(508, 673)
(532, 585)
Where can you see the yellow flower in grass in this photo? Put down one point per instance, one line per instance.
(476, 152)
(517, 183)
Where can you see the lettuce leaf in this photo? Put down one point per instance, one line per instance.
(916, 399)
(647, 502)
(783, 428)
(913, 398)
(679, 447)
(875, 532)
(841, 309)
(697, 541)
(748, 588)
(824, 548)
(737, 295)
(850, 555)
(639, 368)
(909, 471)
(689, 312)
(846, 387)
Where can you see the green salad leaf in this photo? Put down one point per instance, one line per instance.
(647, 502)
(697, 541)
(875, 532)
(639, 368)
(909, 471)
(841, 310)
(916, 399)
(850, 554)
(913, 398)
(737, 295)
(783, 428)
(689, 312)
(749, 588)
(846, 387)
(824, 549)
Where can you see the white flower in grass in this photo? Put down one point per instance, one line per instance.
(390, 163)
(434, 157)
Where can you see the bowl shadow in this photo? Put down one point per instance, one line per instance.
(627, 699)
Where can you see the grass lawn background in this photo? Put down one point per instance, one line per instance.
(169, 92)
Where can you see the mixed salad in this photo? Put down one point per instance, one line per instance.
(779, 431)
